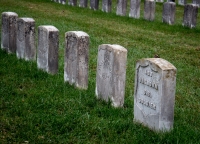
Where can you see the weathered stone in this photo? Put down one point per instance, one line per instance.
(190, 15)
(76, 58)
(47, 52)
(83, 3)
(9, 31)
(26, 48)
(149, 10)
(72, 2)
(160, 1)
(196, 2)
(169, 9)
(182, 2)
(121, 7)
(135, 9)
(111, 73)
(94, 4)
(155, 83)
(106, 5)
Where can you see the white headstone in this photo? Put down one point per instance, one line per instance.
(149, 10)
(190, 15)
(76, 58)
(26, 48)
(121, 7)
(135, 9)
(155, 83)
(111, 73)
(9, 31)
(182, 2)
(169, 9)
(160, 1)
(47, 52)
(106, 5)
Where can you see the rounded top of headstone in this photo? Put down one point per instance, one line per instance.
(114, 47)
(77, 33)
(156, 63)
(27, 19)
(119, 47)
(49, 27)
(10, 13)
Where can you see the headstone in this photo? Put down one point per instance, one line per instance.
(135, 9)
(47, 52)
(63, 2)
(160, 1)
(149, 10)
(169, 9)
(121, 7)
(94, 4)
(76, 58)
(190, 15)
(197, 2)
(83, 3)
(155, 83)
(111, 74)
(9, 31)
(72, 2)
(26, 48)
(106, 5)
(182, 2)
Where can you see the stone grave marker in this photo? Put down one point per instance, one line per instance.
(47, 51)
(26, 48)
(190, 15)
(197, 2)
(182, 2)
(155, 83)
(9, 31)
(76, 58)
(160, 1)
(63, 2)
(149, 10)
(121, 7)
(83, 3)
(72, 2)
(111, 73)
(169, 9)
(94, 4)
(106, 5)
(135, 9)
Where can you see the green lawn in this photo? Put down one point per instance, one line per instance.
(40, 108)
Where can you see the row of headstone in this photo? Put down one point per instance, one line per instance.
(168, 15)
(155, 78)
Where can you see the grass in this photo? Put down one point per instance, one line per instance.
(40, 108)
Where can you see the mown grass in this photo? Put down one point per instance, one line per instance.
(40, 108)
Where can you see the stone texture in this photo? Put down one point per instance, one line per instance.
(94, 4)
(83, 3)
(76, 58)
(121, 7)
(72, 2)
(169, 9)
(26, 48)
(111, 73)
(9, 31)
(155, 84)
(47, 52)
(135, 9)
(149, 10)
(190, 15)
(106, 5)
(182, 2)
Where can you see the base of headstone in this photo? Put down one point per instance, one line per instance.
(26, 48)
(149, 10)
(106, 5)
(47, 52)
(72, 2)
(169, 9)
(135, 9)
(94, 4)
(9, 31)
(111, 74)
(154, 97)
(83, 3)
(190, 15)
